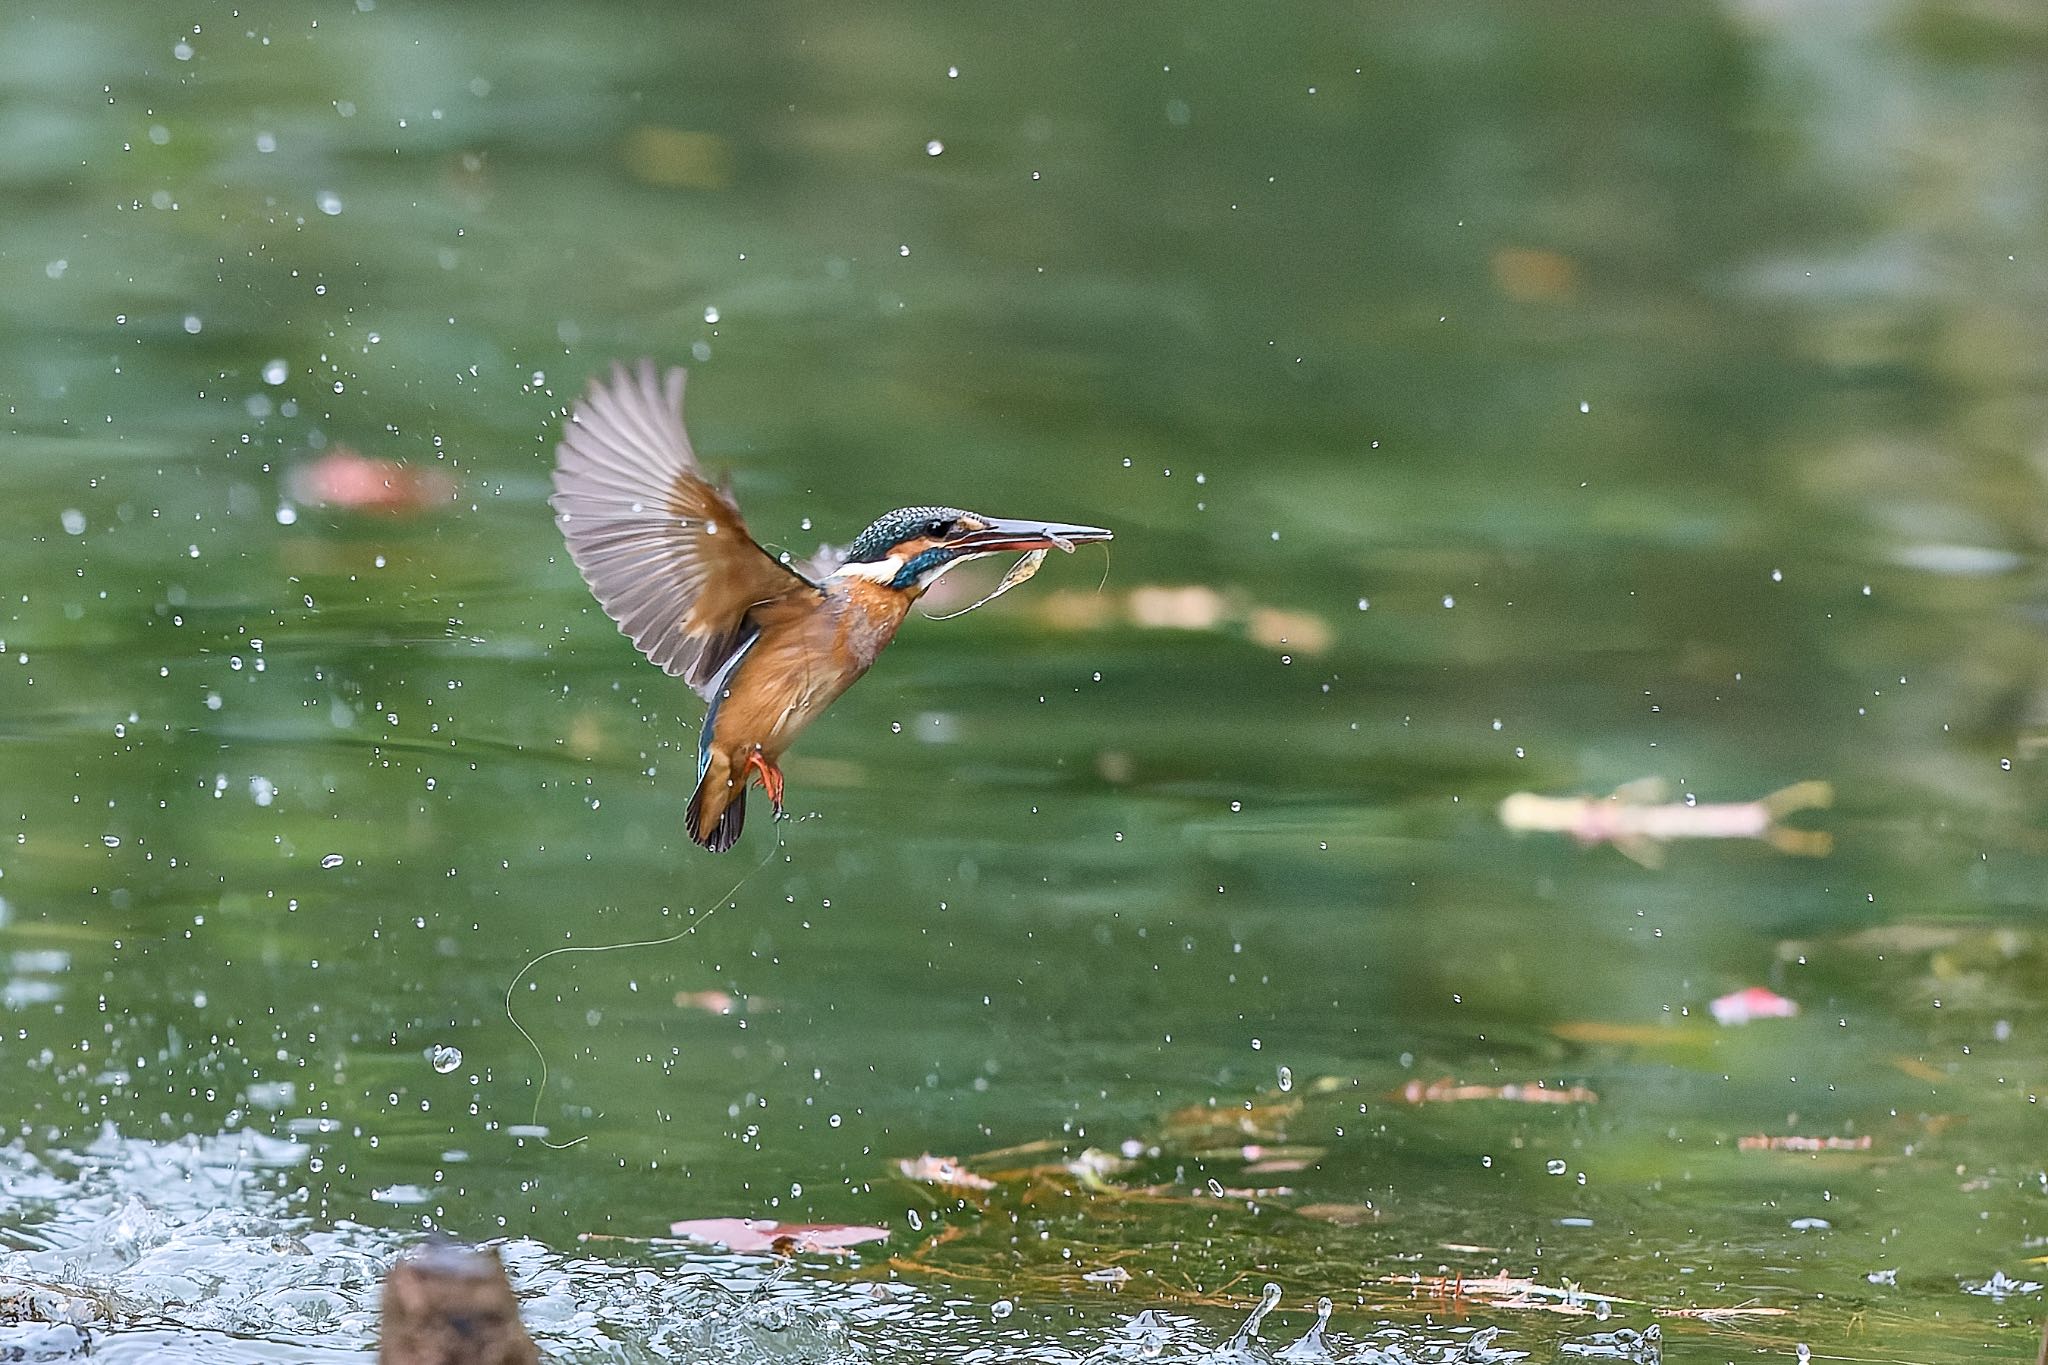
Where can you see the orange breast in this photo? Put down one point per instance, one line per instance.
(806, 656)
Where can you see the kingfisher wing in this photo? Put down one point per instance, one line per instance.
(663, 549)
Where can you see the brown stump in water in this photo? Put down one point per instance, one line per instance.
(446, 1304)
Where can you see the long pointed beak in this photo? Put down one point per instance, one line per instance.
(1002, 535)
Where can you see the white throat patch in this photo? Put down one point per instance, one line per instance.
(884, 571)
(881, 571)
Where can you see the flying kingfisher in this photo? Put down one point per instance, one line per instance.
(768, 643)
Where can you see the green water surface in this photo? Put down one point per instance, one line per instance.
(1536, 398)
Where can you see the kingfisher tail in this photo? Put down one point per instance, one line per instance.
(718, 810)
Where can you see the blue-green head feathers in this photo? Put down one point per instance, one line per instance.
(893, 528)
(880, 540)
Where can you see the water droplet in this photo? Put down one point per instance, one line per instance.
(1001, 1308)
(1555, 1166)
(328, 202)
(444, 1057)
(1215, 1187)
(903, 250)
(332, 860)
(73, 520)
(1449, 601)
(711, 315)
(934, 147)
(1286, 1078)
(193, 324)
(182, 50)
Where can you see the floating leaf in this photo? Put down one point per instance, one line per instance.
(1341, 1215)
(678, 158)
(1181, 608)
(715, 1001)
(1792, 1143)
(344, 478)
(1644, 1035)
(765, 1234)
(1447, 1091)
(1919, 1070)
(1755, 1002)
(1276, 628)
(942, 1170)
(1534, 274)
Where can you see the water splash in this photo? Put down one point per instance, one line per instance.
(1311, 1347)
(1999, 1286)
(1640, 1348)
(1269, 1299)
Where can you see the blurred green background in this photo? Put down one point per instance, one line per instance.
(1485, 398)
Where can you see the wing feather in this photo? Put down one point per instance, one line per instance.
(663, 549)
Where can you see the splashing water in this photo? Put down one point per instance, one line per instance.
(1269, 1299)
(1311, 1347)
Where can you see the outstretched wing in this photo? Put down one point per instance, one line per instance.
(662, 548)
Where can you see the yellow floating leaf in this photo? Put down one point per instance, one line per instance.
(1642, 1035)
(1919, 1070)
(1276, 628)
(675, 159)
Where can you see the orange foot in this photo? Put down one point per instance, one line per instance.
(771, 777)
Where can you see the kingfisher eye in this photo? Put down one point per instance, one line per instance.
(937, 527)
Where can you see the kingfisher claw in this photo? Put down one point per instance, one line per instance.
(771, 777)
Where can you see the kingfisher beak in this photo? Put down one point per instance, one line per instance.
(1000, 536)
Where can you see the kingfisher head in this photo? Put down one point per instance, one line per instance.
(908, 549)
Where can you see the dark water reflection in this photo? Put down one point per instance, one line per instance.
(1541, 402)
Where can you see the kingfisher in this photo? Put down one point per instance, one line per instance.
(767, 642)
